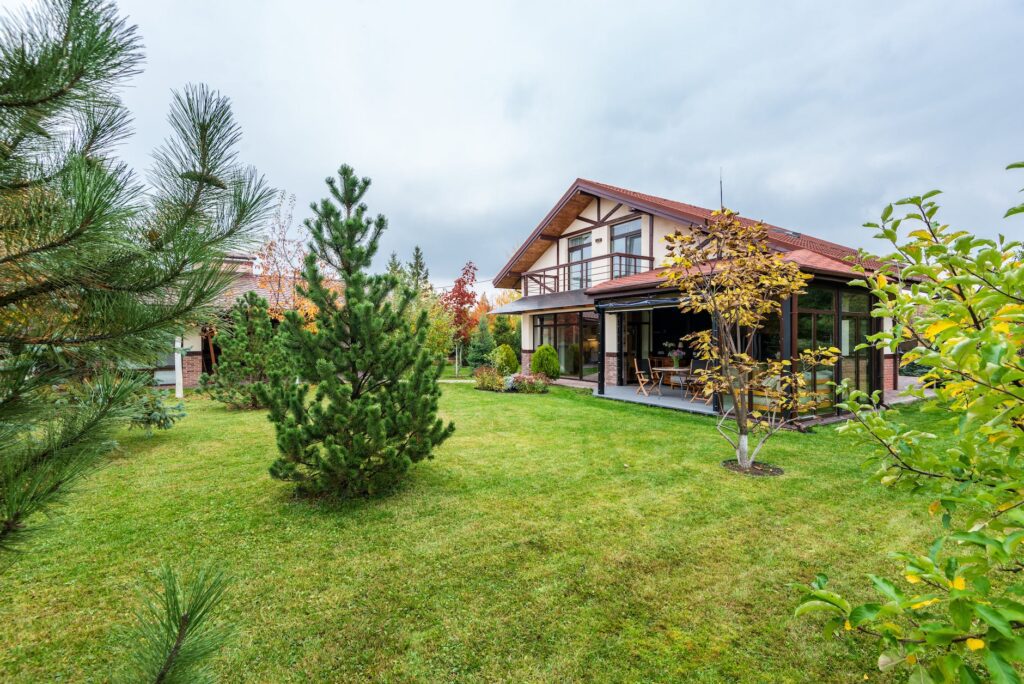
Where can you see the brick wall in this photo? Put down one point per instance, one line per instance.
(525, 357)
(191, 369)
(611, 368)
(889, 372)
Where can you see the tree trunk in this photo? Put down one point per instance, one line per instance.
(743, 452)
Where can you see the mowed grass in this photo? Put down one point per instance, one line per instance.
(553, 538)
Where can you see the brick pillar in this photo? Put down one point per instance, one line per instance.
(192, 368)
(611, 369)
(526, 356)
(890, 373)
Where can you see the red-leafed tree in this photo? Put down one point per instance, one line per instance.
(459, 302)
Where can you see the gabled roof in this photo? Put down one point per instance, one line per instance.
(582, 191)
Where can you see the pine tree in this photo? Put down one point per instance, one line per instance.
(249, 348)
(419, 274)
(97, 274)
(374, 408)
(481, 346)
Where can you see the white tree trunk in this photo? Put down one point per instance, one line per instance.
(743, 452)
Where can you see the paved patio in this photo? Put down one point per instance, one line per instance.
(670, 399)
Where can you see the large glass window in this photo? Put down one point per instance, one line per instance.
(626, 241)
(574, 337)
(579, 267)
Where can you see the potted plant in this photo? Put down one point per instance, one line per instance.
(675, 352)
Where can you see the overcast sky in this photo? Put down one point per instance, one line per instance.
(473, 118)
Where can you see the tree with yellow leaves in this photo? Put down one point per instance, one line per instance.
(956, 615)
(728, 270)
(281, 260)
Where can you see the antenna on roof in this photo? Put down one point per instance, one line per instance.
(721, 194)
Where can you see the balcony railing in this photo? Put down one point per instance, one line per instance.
(579, 275)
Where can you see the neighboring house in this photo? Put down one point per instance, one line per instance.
(199, 352)
(591, 276)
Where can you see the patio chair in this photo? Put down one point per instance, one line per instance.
(693, 385)
(644, 377)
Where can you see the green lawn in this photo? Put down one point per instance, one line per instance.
(554, 538)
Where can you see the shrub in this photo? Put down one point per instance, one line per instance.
(488, 378)
(530, 383)
(151, 413)
(504, 360)
(545, 361)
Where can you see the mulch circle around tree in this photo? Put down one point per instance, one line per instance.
(756, 470)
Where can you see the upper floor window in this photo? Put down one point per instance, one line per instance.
(626, 241)
(579, 266)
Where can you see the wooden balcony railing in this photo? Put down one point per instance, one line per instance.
(579, 275)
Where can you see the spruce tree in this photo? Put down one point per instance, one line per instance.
(395, 266)
(505, 333)
(481, 346)
(249, 348)
(419, 274)
(365, 407)
(98, 274)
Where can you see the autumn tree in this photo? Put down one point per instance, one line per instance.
(955, 613)
(365, 406)
(729, 271)
(507, 328)
(98, 273)
(280, 262)
(459, 301)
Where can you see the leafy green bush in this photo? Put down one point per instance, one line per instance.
(481, 345)
(488, 378)
(152, 413)
(545, 360)
(504, 359)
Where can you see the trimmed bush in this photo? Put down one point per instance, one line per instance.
(504, 360)
(545, 361)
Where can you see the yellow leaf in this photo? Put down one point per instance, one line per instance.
(935, 506)
(1006, 505)
(924, 604)
(882, 280)
(847, 626)
(911, 659)
(975, 644)
(1002, 327)
(913, 579)
(937, 327)
(960, 583)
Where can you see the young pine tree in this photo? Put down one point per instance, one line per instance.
(365, 408)
(481, 346)
(417, 271)
(98, 273)
(249, 348)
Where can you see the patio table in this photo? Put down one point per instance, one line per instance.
(662, 371)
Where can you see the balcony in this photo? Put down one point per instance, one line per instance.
(579, 275)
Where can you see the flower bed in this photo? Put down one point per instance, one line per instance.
(488, 378)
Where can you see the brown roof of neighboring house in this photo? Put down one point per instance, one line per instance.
(580, 193)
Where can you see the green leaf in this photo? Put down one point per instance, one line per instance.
(1010, 649)
(864, 613)
(961, 613)
(1016, 165)
(994, 618)
(1002, 672)
(1014, 210)
(814, 606)
(886, 588)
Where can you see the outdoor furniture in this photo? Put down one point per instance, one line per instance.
(693, 380)
(645, 377)
(676, 376)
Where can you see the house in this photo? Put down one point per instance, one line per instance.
(591, 276)
(195, 353)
